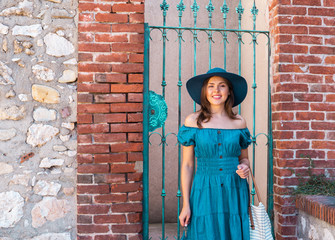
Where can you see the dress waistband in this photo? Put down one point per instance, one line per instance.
(216, 166)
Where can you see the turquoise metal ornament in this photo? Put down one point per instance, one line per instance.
(158, 111)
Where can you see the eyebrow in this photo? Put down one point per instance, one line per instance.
(219, 83)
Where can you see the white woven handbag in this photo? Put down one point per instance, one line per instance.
(260, 225)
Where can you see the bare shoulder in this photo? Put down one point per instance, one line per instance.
(240, 122)
(191, 120)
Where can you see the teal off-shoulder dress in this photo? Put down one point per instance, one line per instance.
(219, 197)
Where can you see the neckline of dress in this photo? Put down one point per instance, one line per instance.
(216, 128)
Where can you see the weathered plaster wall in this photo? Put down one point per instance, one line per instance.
(38, 72)
(312, 228)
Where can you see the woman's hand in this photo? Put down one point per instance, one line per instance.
(243, 170)
(184, 216)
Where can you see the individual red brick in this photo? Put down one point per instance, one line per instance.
(136, 18)
(135, 137)
(94, 27)
(134, 217)
(291, 106)
(135, 117)
(282, 135)
(126, 127)
(84, 158)
(96, 148)
(135, 176)
(127, 228)
(93, 108)
(110, 237)
(93, 168)
(109, 158)
(321, 12)
(85, 77)
(309, 116)
(328, 3)
(84, 118)
(133, 157)
(128, 47)
(321, 30)
(330, 116)
(282, 116)
(116, 78)
(114, 178)
(330, 60)
(126, 88)
(79, 237)
(283, 58)
(85, 37)
(292, 87)
(293, 126)
(289, 10)
(93, 128)
(308, 97)
(136, 58)
(330, 98)
(291, 48)
(85, 57)
(93, 209)
(110, 98)
(93, 189)
(323, 125)
(329, 21)
(113, 218)
(109, 138)
(308, 39)
(92, 228)
(84, 98)
(282, 97)
(111, 17)
(96, 7)
(122, 168)
(126, 107)
(135, 196)
(330, 41)
(291, 68)
(309, 78)
(110, 118)
(136, 38)
(84, 139)
(126, 207)
(111, 198)
(321, 70)
(84, 219)
(113, 57)
(93, 87)
(135, 78)
(111, 37)
(127, 67)
(129, 28)
(293, 29)
(93, 67)
(126, 187)
(322, 50)
(310, 135)
(307, 20)
(323, 145)
(307, 2)
(322, 88)
(307, 59)
(84, 178)
(86, 17)
(282, 38)
(127, 7)
(93, 47)
(282, 77)
(322, 107)
(84, 199)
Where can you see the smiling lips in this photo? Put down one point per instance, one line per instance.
(216, 96)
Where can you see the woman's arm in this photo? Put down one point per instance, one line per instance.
(187, 173)
(243, 167)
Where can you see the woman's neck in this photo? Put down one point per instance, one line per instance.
(218, 111)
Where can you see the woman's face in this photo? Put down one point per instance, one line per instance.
(217, 90)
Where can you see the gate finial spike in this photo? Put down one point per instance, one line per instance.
(181, 8)
(164, 7)
(239, 10)
(195, 8)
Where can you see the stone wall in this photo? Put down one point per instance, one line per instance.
(38, 72)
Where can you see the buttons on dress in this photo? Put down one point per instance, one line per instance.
(220, 169)
(219, 131)
(219, 144)
(221, 156)
(221, 184)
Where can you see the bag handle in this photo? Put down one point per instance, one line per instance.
(256, 188)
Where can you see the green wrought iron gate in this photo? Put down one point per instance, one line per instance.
(156, 110)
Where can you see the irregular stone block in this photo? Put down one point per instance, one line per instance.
(68, 125)
(39, 134)
(71, 61)
(61, 13)
(3, 29)
(23, 97)
(45, 94)
(49, 209)
(5, 168)
(5, 75)
(24, 8)
(43, 114)
(10, 94)
(12, 113)
(31, 31)
(65, 112)
(43, 73)
(45, 188)
(11, 208)
(58, 46)
(53, 236)
(59, 148)
(20, 179)
(64, 138)
(17, 47)
(68, 77)
(7, 134)
(55, 1)
(48, 163)
(5, 45)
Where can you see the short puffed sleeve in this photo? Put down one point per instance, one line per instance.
(186, 136)
(245, 138)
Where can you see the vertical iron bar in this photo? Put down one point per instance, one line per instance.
(210, 9)
(145, 217)
(239, 11)
(195, 9)
(164, 7)
(180, 8)
(270, 147)
(225, 10)
(254, 12)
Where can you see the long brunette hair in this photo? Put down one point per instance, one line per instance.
(205, 111)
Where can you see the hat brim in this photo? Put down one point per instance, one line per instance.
(240, 86)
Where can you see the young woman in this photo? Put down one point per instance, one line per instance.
(216, 206)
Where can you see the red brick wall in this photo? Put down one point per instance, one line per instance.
(110, 86)
(303, 48)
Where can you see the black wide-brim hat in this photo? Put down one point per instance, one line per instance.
(240, 86)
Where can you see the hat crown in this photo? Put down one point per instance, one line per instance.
(216, 70)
